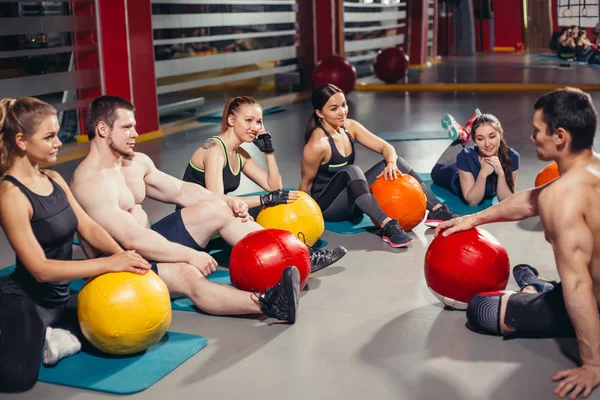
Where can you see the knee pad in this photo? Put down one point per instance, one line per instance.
(483, 313)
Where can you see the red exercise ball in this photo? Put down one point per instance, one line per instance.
(337, 71)
(547, 174)
(258, 260)
(464, 264)
(402, 198)
(391, 65)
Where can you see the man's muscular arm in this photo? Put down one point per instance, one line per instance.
(168, 189)
(122, 226)
(517, 207)
(573, 246)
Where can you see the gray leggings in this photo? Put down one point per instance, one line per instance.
(347, 195)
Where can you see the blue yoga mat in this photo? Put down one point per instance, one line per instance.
(124, 375)
(408, 136)
(454, 203)
(362, 224)
(216, 117)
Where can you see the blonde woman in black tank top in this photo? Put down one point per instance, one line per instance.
(339, 186)
(221, 160)
(39, 216)
(218, 163)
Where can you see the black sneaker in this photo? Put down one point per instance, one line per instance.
(393, 234)
(441, 214)
(322, 258)
(281, 301)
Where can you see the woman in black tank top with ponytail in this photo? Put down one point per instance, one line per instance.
(339, 186)
(39, 216)
(220, 162)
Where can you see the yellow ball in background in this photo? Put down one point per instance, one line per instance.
(124, 313)
(302, 217)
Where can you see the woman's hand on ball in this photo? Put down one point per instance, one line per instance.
(390, 172)
(204, 263)
(129, 261)
(279, 196)
(455, 225)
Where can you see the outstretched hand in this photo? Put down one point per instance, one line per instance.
(240, 209)
(455, 225)
(577, 381)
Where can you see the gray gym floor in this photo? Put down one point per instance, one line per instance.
(368, 326)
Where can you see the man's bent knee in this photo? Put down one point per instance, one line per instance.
(483, 312)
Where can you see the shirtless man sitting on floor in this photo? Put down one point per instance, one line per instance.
(564, 125)
(111, 183)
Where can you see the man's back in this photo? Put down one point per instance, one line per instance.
(571, 206)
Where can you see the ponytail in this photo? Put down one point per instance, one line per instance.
(24, 116)
(506, 163)
(5, 154)
(313, 123)
(232, 106)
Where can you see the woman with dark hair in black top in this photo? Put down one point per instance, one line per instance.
(40, 217)
(339, 186)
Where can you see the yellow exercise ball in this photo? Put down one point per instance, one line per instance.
(302, 217)
(124, 313)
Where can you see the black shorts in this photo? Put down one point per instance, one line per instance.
(539, 315)
(172, 228)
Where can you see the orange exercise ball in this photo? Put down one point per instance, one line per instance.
(402, 198)
(549, 173)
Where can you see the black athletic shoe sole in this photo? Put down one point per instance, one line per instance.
(291, 286)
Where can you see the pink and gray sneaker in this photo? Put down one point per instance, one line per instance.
(393, 234)
(439, 215)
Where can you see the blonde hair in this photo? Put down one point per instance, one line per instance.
(232, 106)
(22, 115)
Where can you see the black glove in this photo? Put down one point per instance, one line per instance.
(276, 197)
(264, 142)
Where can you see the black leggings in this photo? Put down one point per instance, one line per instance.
(347, 195)
(23, 326)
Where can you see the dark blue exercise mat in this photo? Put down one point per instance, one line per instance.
(124, 375)
(454, 203)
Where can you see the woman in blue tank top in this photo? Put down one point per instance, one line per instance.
(40, 217)
(339, 186)
(221, 160)
(478, 164)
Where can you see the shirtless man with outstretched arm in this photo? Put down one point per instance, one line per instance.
(564, 126)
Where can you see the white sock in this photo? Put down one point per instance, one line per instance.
(59, 344)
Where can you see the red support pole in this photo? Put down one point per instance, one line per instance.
(319, 23)
(419, 27)
(126, 58)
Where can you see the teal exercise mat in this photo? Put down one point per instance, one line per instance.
(362, 224)
(407, 136)
(454, 203)
(124, 375)
(216, 116)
